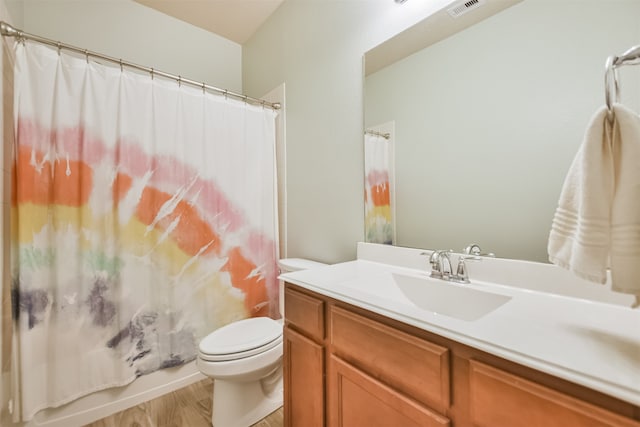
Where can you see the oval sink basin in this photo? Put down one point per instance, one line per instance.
(448, 298)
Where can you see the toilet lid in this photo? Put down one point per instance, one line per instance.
(242, 354)
(241, 336)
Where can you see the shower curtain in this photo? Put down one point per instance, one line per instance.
(143, 218)
(378, 201)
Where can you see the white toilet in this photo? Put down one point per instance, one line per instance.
(244, 358)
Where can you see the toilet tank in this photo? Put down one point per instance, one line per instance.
(288, 265)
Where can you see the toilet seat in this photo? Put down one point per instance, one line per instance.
(240, 355)
(241, 339)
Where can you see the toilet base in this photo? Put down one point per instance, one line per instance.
(241, 404)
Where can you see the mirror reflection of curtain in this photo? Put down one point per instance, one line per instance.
(378, 155)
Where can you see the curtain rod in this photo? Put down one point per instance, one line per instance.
(8, 31)
(386, 135)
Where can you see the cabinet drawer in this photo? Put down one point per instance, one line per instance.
(409, 364)
(501, 399)
(356, 399)
(305, 312)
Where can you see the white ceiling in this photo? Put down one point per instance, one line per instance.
(434, 28)
(235, 20)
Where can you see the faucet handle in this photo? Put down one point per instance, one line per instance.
(434, 260)
(462, 275)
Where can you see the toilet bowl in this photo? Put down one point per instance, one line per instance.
(244, 358)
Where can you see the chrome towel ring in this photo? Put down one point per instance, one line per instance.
(611, 84)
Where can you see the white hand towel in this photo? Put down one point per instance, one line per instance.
(597, 222)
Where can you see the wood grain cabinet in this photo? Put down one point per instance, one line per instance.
(304, 380)
(347, 367)
(357, 399)
(380, 377)
(500, 399)
(303, 361)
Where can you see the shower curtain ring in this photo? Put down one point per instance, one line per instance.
(203, 87)
(121, 68)
(244, 98)
(151, 73)
(59, 48)
(263, 103)
(225, 94)
(179, 81)
(86, 55)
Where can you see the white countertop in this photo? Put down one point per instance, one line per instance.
(587, 342)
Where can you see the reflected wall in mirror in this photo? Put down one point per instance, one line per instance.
(488, 120)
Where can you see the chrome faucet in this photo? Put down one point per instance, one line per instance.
(438, 270)
(442, 268)
(444, 271)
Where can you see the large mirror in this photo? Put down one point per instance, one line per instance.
(485, 123)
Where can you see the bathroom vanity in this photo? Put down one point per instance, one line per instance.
(361, 349)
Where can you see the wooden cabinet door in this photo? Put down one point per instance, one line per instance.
(413, 366)
(358, 400)
(303, 365)
(502, 399)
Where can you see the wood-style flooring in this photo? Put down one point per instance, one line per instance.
(186, 407)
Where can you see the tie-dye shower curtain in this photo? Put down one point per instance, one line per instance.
(378, 190)
(143, 218)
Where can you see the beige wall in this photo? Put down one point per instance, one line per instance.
(15, 11)
(315, 47)
(128, 30)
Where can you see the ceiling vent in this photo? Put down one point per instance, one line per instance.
(462, 7)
